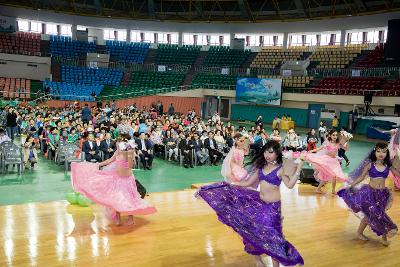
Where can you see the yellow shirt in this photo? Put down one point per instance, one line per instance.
(335, 123)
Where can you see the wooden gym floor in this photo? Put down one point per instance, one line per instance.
(184, 232)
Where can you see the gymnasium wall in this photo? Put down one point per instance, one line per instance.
(27, 67)
(320, 25)
(250, 112)
(181, 104)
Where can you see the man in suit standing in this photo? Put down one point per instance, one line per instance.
(86, 114)
(107, 146)
(143, 148)
(186, 146)
(211, 145)
(91, 149)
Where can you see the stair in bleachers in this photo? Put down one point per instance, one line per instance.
(198, 63)
(249, 60)
(150, 58)
(45, 48)
(126, 79)
(101, 49)
(56, 71)
(305, 55)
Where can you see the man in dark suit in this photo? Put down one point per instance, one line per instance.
(211, 145)
(107, 146)
(186, 146)
(143, 149)
(197, 146)
(91, 149)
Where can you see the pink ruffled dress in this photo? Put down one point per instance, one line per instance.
(106, 187)
(233, 166)
(325, 163)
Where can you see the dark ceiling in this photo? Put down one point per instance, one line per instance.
(217, 10)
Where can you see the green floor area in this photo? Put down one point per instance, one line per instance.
(48, 182)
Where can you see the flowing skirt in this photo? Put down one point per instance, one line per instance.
(371, 203)
(107, 188)
(257, 222)
(326, 167)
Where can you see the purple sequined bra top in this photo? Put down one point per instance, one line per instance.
(375, 173)
(272, 177)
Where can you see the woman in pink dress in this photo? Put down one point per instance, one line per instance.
(114, 186)
(233, 166)
(394, 151)
(325, 162)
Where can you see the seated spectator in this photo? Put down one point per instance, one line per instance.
(171, 145)
(91, 149)
(3, 136)
(292, 140)
(198, 149)
(30, 153)
(185, 147)
(107, 146)
(213, 152)
(144, 151)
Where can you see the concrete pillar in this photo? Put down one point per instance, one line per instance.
(342, 37)
(180, 38)
(285, 40)
(128, 35)
(74, 29)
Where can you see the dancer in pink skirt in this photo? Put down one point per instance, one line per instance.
(113, 187)
(233, 168)
(325, 162)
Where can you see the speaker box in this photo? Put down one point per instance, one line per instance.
(396, 109)
(368, 98)
(392, 51)
(307, 177)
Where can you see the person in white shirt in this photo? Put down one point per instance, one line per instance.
(3, 136)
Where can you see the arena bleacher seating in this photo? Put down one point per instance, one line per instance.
(91, 76)
(74, 91)
(22, 43)
(174, 54)
(335, 57)
(222, 56)
(15, 88)
(64, 46)
(347, 85)
(127, 52)
(272, 57)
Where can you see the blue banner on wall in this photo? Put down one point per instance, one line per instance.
(8, 24)
(259, 91)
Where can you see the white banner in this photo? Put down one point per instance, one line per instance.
(356, 73)
(225, 71)
(162, 68)
(286, 73)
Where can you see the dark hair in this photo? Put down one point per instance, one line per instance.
(259, 161)
(330, 133)
(372, 156)
(276, 129)
(309, 133)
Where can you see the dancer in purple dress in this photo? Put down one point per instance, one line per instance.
(255, 216)
(371, 201)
